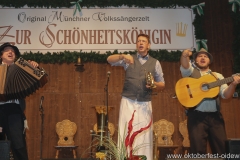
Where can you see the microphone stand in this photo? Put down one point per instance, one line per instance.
(106, 89)
(42, 118)
(106, 125)
(92, 133)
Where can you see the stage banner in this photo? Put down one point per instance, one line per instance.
(95, 29)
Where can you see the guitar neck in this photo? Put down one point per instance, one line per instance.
(220, 82)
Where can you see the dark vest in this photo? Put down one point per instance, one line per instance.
(135, 79)
(22, 104)
(196, 74)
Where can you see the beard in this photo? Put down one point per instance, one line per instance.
(203, 67)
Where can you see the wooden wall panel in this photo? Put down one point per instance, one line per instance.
(72, 95)
(74, 98)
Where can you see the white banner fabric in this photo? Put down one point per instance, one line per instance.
(99, 30)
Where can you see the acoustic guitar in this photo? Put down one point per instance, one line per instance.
(191, 91)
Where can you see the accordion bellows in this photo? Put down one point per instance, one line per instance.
(20, 80)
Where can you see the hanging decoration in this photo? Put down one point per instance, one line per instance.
(201, 43)
(234, 3)
(199, 8)
(77, 7)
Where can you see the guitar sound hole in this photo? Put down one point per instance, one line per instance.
(205, 87)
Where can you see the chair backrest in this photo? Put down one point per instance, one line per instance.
(184, 132)
(66, 131)
(164, 130)
(110, 127)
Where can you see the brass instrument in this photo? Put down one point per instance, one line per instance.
(150, 80)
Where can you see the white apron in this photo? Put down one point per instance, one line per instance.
(142, 117)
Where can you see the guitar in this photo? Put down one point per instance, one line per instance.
(191, 91)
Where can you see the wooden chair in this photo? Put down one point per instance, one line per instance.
(66, 131)
(184, 132)
(164, 131)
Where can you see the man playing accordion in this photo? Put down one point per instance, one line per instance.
(12, 119)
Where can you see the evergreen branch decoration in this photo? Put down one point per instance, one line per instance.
(71, 57)
(101, 4)
(236, 42)
(198, 25)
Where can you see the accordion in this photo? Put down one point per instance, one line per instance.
(20, 79)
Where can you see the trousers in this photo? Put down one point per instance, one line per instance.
(203, 127)
(12, 122)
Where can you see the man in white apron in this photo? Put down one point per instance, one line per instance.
(136, 95)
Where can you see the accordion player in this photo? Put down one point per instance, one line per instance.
(20, 80)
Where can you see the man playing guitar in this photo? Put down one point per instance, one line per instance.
(205, 122)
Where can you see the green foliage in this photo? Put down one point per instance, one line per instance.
(198, 25)
(236, 42)
(100, 3)
(112, 149)
(71, 57)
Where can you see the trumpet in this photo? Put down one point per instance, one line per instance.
(150, 80)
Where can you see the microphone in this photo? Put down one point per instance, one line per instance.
(108, 73)
(41, 101)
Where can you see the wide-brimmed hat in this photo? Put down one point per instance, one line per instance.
(7, 44)
(202, 50)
